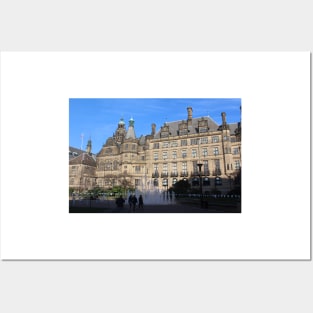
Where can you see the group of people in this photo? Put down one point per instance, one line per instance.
(132, 202)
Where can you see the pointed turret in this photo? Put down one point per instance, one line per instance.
(131, 130)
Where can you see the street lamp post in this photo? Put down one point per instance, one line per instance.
(200, 178)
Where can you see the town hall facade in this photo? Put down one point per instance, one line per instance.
(196, 149)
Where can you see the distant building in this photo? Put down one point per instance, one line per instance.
(82, 169)
(178, 150)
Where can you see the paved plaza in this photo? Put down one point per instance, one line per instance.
(96, 206)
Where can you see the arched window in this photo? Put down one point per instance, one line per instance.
(206, 181)
(218, 181)
(195, 181)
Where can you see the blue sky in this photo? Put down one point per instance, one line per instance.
(98, 118)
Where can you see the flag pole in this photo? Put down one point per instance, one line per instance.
(82, 138)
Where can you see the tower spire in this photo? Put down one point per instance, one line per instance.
(89, 145)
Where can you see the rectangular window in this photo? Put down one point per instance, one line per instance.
(174, 167)
(164, 155)
(184, 169)
(237, 164)
(194, 141)
(236, 151)
(174, 144)
(183, 142)
(215, 151)
(137, 169)
(155, 156)
(155, 167)
(205, 152)
(134, 147)
(165, 168)
(215, 139)
(217, 164)
(137, 182)
(165, 144)
(74, 170)
(184, 154)
(203, 129)
(156, 145)
(204, 140)
(174, 154)
(194, 153)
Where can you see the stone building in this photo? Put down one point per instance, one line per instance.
(199, 150)
(82, 169)
(196, 149)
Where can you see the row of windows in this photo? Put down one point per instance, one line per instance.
(194, 153)
(195, 181)
(165, 167)
(217, 165)
(192, 141)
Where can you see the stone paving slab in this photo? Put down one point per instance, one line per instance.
(174, 208)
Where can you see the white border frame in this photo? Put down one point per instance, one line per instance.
(275, 92)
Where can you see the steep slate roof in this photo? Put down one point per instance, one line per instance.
(142, 140)
(74, 152)
(233, 127)
(174, 126)
(85, 159)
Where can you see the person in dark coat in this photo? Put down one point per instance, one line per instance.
(120, 202)
(140, 202)
(134, 202)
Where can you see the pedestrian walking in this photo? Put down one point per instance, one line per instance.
(140, 202)
(134, 202)
(130, 202)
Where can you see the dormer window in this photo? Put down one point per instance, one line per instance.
(203, 125)
(165, 131)
(183, 128)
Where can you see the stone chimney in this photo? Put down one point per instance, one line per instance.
(153, 126)
(189, 110)
(223, 118)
